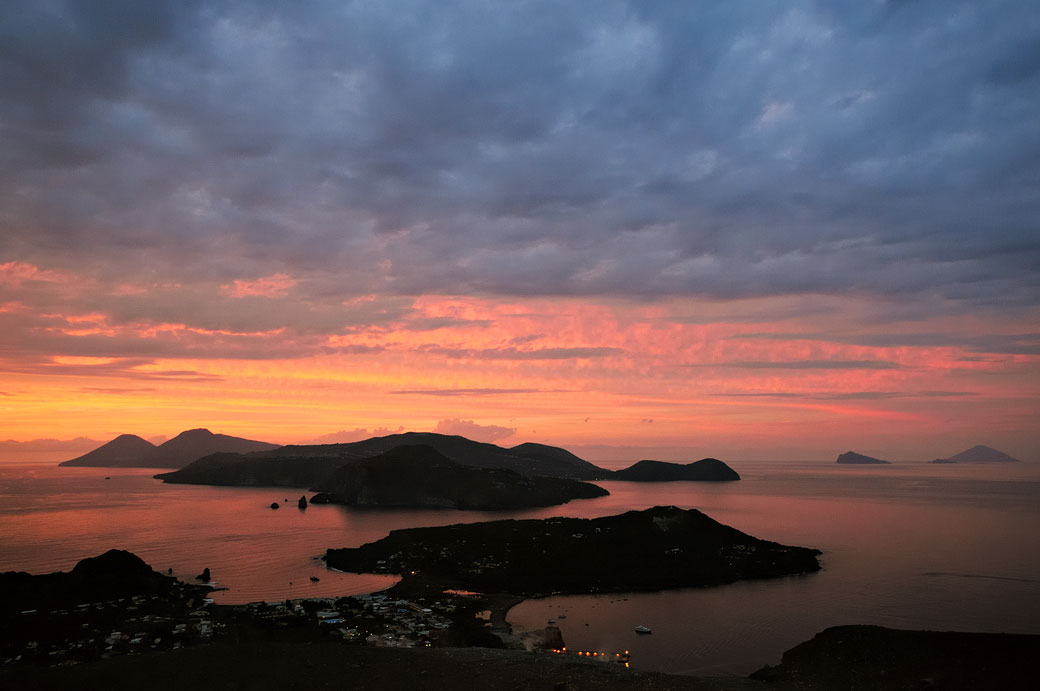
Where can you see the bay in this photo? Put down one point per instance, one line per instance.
(908, 546)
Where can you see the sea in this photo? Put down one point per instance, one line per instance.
(913, 546)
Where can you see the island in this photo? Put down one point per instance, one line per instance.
(704, 470)
(658, 548)
(131, 451)
(853, 458)
(419, 476)
(307, 465)
(978, 454)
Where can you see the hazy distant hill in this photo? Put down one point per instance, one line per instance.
(419, 476)
(130, 451)
(851, 457)
(526, 459)
(125, 451)
(704, 470)
(978, 454)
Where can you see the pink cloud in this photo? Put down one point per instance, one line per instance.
(470, 429)
(274, 286)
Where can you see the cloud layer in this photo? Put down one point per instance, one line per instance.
(733, 149)
(729, 218)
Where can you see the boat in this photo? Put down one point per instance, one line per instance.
(643, 629)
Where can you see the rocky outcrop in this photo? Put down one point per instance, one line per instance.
(302, 503)
(853, 458)
(704, 470)
(419, 476)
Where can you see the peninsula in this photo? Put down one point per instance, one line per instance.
(419, 476)
(662, 547)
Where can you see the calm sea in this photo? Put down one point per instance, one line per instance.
(910, 546)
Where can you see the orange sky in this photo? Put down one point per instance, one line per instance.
(677, 378)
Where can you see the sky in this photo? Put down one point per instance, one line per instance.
(741, 229)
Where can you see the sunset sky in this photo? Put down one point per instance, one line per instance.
(749, 230)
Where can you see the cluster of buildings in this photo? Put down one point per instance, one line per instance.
(376, 619)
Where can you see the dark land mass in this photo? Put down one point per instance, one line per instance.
(872, 658)
(526, 459)
(130, 451)
(85, 613)
(978, 454)
(248, 470)
(662, 547)
(704, 470)
(310, 466)
(853, 458)
(419, 476)
(137, 629)
(125, 451)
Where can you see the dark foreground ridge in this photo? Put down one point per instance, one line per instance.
(875, 658)
(704, 470)
(662, 547)
(419, 476)
(136, 629)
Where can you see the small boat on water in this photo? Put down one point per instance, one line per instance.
(643, 629)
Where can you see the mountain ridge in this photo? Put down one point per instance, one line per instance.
(131, 451)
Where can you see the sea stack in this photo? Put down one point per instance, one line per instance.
(302, 503)
(204, 576)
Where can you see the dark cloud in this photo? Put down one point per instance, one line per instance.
(805, 364)
(851, 395)
(730, 149)
(991, 344)
(518, 354)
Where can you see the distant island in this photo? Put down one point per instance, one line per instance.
(853, 458)
(704, 470)
(978, 454)
(662, 547)
(419, 476)
(306, 466)
(131, 451)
